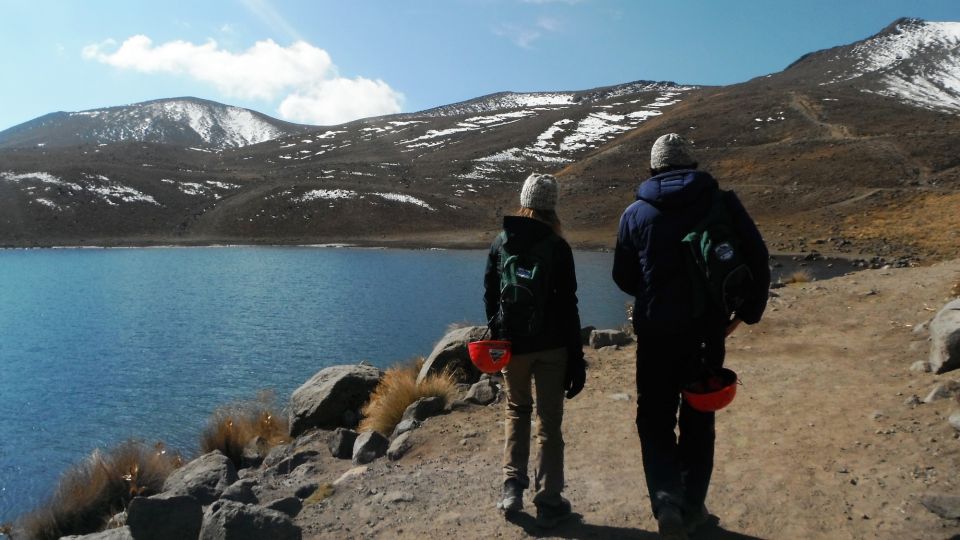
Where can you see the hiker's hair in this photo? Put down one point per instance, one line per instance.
(549, 217)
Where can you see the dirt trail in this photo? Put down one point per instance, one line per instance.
(811, 112)
(819, 443)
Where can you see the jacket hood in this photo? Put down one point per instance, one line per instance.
(676, 189)
(522, 232)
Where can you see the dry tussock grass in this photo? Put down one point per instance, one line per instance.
(799, 276)
(91, 492)
(397, 390)
(232, 427)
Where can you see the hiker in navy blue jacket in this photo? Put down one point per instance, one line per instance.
(674, 345)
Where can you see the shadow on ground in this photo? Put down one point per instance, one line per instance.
(576, 528)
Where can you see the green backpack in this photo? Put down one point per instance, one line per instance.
(524, 289)
(715, 261)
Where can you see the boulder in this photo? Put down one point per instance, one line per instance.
(324, 400)
(607, 338)
(945, 506)
(944, 390)
(341, 445)
(122, 533)
(954, 420)
(242, 491)
(484, 392)
(424, 408)
(399, 447)
(451, 353)
(369, 446)
(290, 506)
(229, 520)
(945, 338)
(204, 478)
(404, 426)
(161, 517)
(585, 333)
(294, 460)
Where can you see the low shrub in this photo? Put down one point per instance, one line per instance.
(232, 427)
(398, 389)
(799, 276)
(90, 493)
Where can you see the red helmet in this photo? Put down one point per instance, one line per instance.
(713, 392)
(489, 356)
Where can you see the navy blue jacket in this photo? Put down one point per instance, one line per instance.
(562, 318)
(649, 260)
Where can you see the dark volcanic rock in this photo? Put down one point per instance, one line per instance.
(322, 401)
(228, 520)
(450, 353)
(204, 478)
(162, 517)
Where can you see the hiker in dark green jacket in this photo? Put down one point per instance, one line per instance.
(552, 356)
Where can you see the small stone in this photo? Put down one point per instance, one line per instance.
(876, 415)
(954, 420)
(913, 400)
(921, 366)
(397, 497)
(620, 397)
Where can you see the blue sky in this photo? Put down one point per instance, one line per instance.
(323, 62)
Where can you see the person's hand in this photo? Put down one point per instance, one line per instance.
(576, 375)
(732, 326)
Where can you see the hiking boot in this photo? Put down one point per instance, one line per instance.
(549, 516)
(511, 497)
(696, 518)
(670, 523)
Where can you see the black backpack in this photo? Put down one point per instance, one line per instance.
(718, 270)
(524, 288)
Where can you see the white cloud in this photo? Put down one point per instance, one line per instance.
(301, 75)
(340, 100)
(522, 36)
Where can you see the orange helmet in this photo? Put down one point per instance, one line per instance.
(489, 356)
(713, 392)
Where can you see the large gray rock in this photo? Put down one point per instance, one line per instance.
(324, 400)
(161, 517)
(369, 446)
(242, 491)
(423, 408)
(484, 392)
(404, 426)
(606, 338)
(945, 506)
(945, 338)
(290, 506)
(229, 520)
(341, 445)
(451, 353)
(399, 447)
(954, 420)
(204, 478)
(122, 533)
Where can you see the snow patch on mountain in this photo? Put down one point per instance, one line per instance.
(98, 185)
(917, 62)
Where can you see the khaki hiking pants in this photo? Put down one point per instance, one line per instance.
(547, 369)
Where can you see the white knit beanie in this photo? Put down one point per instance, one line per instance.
(671, 150)
(539, 192)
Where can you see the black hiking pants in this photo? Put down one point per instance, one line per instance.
(677, 469)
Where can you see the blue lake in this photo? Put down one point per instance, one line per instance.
(97, 346)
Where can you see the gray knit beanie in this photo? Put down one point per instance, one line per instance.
(671, 150)
(539, 192)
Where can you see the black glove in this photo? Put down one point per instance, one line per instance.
(576, 374)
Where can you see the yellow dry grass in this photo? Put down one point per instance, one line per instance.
(232, 427)
(798, 276)
(90, 493)
(397, 390)
(927, 221)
